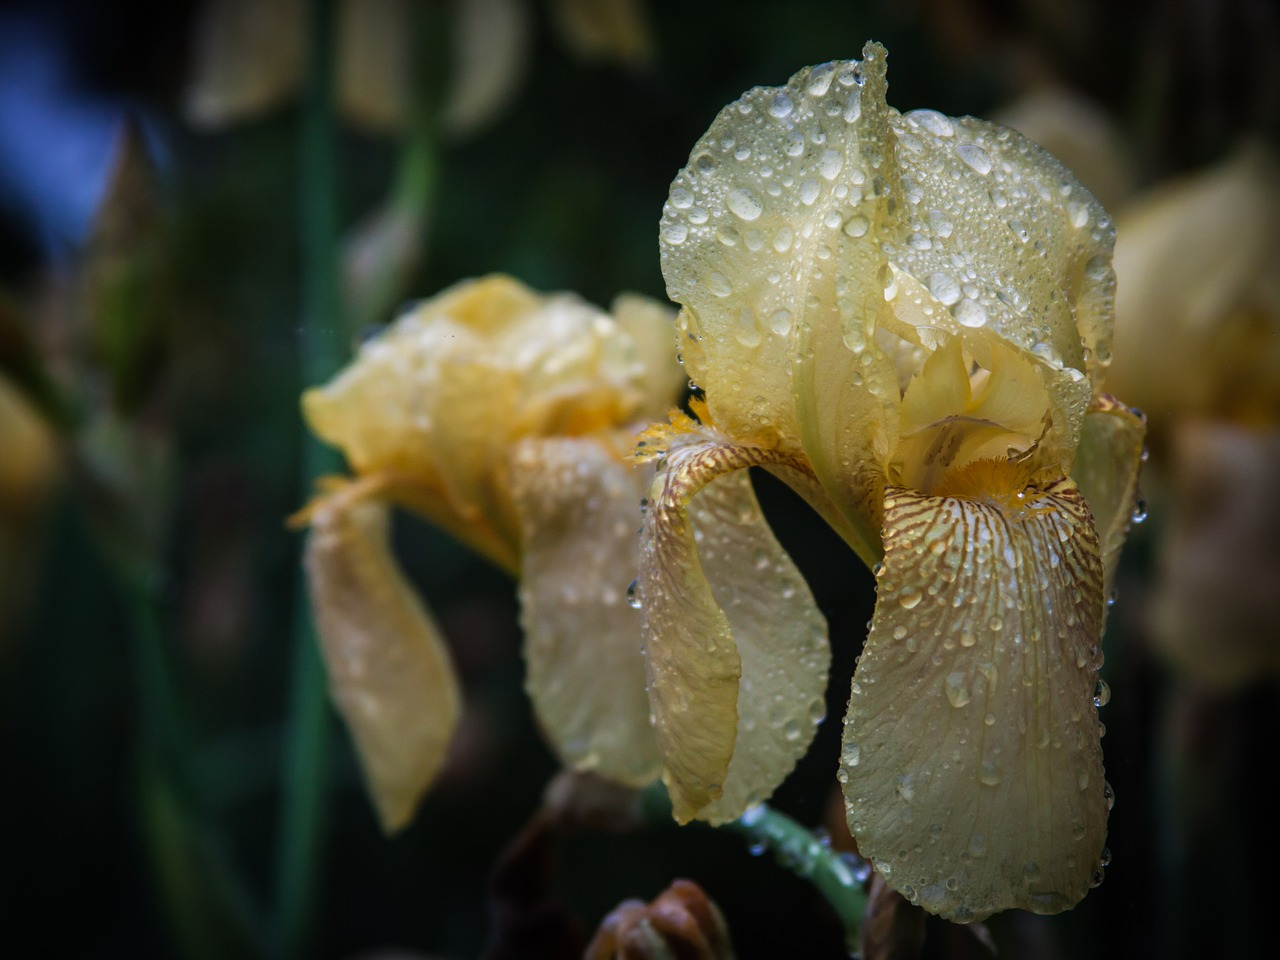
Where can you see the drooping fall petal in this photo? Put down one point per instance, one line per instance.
(735, 648)
(579, 508)
(389, 671)
(972, 767)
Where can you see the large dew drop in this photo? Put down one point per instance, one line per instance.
(744, 204)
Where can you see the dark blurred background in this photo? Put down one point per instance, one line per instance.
(184, 434)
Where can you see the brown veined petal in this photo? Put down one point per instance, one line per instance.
(389, 671)
(972, 766)
(1107, 468)
(735, 649)
(579, 506)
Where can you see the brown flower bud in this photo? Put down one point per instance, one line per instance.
(681, 924)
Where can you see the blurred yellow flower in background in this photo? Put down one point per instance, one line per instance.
(504, 417)
(906, 318)
(250, 56)
(28, 472)
(1198, 330)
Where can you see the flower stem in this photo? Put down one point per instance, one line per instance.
(304, 797)
(838, 876)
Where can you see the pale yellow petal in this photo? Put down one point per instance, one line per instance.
(491, 44)
(748, 235)
(1198, 306)
(972, 767)
(389, 671)
(605, 29)
(1107, 468)
(813, 221)
(735, 649)
(579, 505)
(471, 406)
(1080, 134)
(376, 62)
(651, 327)
(247, 58)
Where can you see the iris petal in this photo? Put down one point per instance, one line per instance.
(972, 767)
(1107, 467)
(725, 613)
(389, 671)
(579, 507)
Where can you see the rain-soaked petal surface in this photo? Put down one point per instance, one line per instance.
(735, 648)
(972, 767)
(818, 240)
(579, 505)
(389, 671)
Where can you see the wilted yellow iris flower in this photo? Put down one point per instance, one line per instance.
(500, 415)
(906, 318)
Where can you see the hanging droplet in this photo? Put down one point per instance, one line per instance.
(1101, 694)
(633, 594)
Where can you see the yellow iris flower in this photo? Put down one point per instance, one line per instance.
(1199, 330)
(905, 317)
(500, 415)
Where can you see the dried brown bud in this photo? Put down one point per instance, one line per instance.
(681, 924)
(893, 928)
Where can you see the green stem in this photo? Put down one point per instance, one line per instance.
(304, 798)
(838, 876)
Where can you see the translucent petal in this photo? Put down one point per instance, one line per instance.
(735, 649)
(1107, 468)
(972, 767)
(389, 671)
(579, 505)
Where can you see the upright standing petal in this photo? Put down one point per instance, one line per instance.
(389, 670)
(972, 767)
(736, 673)
(1108, 465)
(579, 505)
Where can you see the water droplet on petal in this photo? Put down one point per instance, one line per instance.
(675, 233)
(957, 689)
(932, 121)
(1101, 694)
(975, 157)
(857, 226)
(744, 204)
(970, 313)
(781, 105)
(830, 164)
(944, 287)
(633, 594)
